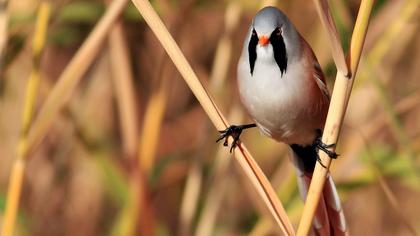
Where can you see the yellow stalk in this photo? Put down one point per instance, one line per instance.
(16, 178)
(72, 74)
(13, 196)
(156, 106)
(124, 89)
(268, 3)
(153, 118)
(338, 105)
(247, 163)
(129, 214)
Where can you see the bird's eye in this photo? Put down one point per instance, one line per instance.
(278, 31)
(254, 33)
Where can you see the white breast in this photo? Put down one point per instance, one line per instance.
(277, 103)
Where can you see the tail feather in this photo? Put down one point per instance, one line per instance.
(329, 218)
(321, 224)
(334, 209)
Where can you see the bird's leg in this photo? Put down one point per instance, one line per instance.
(234, 131)
(319, 145)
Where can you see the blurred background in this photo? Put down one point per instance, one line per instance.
(131, 152)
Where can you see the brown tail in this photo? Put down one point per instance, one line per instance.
(329, 218)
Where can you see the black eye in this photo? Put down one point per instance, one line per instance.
(277, 32)
(252, 50)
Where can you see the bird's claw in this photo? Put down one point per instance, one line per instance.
(319, 145)
(234, 131)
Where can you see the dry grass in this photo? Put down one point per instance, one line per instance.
(337, 50)
(4, 20)
(124, 89)
(73, 73)
(86, 167)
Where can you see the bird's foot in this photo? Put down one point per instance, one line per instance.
(235, 132)
(319, 145)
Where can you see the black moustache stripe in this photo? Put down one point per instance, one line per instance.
(279, 49)
(252, 50)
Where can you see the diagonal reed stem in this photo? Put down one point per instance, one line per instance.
(72, 74)
(247, 163)
(338, 105)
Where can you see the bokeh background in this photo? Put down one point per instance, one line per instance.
(133, 153)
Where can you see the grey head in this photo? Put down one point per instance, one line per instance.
(272, 34)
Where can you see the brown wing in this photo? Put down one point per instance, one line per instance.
(320, 79)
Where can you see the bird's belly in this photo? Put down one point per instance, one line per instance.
(278, 104)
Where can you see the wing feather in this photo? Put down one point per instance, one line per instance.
(320, 80)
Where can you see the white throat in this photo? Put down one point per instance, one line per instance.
(265, 54)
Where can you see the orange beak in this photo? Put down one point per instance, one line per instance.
(263, 40)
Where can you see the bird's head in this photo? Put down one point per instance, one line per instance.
(271, 35)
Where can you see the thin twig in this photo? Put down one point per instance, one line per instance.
(338, 105)
(124, 89)
(125, 95)
(337, 50)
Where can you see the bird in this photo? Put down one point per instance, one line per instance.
(283, 89)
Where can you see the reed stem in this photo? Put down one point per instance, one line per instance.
(338, 105)
(17, 174)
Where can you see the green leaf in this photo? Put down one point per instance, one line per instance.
(65, 35)
(2, 202)
(81, 12)
(114, 181)
(131, 13)
(393, 164)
